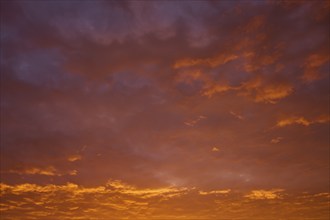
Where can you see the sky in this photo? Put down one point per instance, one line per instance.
(164, 110)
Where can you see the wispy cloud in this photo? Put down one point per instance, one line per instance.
(47, 171)
(302, 121)
(74, 157)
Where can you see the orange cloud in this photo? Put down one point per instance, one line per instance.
(124, 188)
(216, 192)
(273, 93)
(276, 140)
(120, 200)
(256, 88)
(267, 93)
(215, 149)
(210, 62)
(264, 194)
(216, 88)
(302, 121)
(312, 65)
(47, 171)
(75, 157)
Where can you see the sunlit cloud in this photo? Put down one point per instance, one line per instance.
(210, 62)
(276, 140)
(215, 149)
(236, 115)
(312, 65)
(122, 200)
(225, 191)
(267, 93)
(47, 171)
(214, 89)
(75, 157)
(302, 121)
(265, 194)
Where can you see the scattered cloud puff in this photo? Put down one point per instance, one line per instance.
(265, 194)
(312, 67)
(276, 140)
(212, 62)
(266, 93)
(225, 191)
(192, 123)
(215, 149)
(74, 157)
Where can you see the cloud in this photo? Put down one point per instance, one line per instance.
(238, 116)
(215, 149)
(312, 65)
(135, 80)
(126, 189)
(192, 123)
(74, 157)
(210, 62)
(214, 89)
(47, 171)
(254, 89)
(302, 121)
(264, 92)
(276, 140)
(121, 200)
(225, 191)
(265, 194)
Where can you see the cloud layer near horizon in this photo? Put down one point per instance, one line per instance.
(117, 200)
(209, 94)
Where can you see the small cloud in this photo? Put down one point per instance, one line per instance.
(215, 149)
(266, 93)
(272, 94)
(73, 172)
(209, 62)
(302, 121)
(75, 157)
(238, 116)
(192, 123)
(312, 65)
(46, 171)
(293, 120)
(214, 89)
(276, 140)
(264, 194)
(225, 191)
(166, 192)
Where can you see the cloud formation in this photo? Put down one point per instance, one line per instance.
(122, 201)
(302, 121)
(201, 106)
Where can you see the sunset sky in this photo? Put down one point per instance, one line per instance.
(164, 110)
